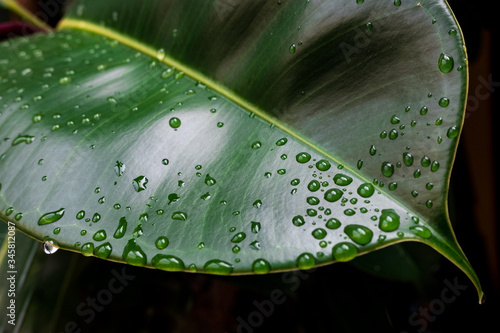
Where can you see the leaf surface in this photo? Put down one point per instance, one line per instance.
(234, 137)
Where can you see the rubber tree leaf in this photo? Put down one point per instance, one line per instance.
(233, 137)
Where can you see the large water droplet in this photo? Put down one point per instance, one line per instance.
(261, 266)
(298, 221)
(255, 227)
(167, 263)
(421, 231)
(359, 234)
(174, 122)
(342, 180)
(303, 157)
(209, 180)
(306, 261)
(239, 237)
(333, 194)
(219, 267)
(344, 251)
(180, 216)
(387, 169)
(27, 139)
(314, 185)
(133, 254)
(408, 159)
(333, 223)
(389, 220)
(103, 251)
(366, 190)
(121, 229)
(319, 233)
(51, 217)
(445, 63)
(87, 249)
(99, 235)
(139, 183)
(49, 247)
(323, 165)
(161, 242)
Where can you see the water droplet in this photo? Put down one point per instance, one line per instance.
(333, 224)
(319, 233)
(87, 249)
(256, 145)
(173, 197)
(445, 63)
(121, 229)
(395, 120)
(359, 234)
(209, 180)
(174, 122)
(333, 195)
(452, 132)
(306, 261)
(373, 150)
(103, 251)
(393, 134)
(49, 247)
(434, 166)
(408, 159)
(298, 221)
(342, 180)
(323, 165)
(366, 190)
(417, 173)
(167, 263)
(397, 3)
(99, 235)
(80, 215)
(421, 231)
(96, 217)
(119, 168)
(344, 251)
(312, 201)
(425, 161)
(257, 203)
(161, 242)
(392, 186)
(389, 220)
(140, 183)
(180, 216)
(65, 80)
(349, 212)
(219, 267)
(239, 237)
(51, 217)
(313, 186)
(26, 139)
(387, 169)
(281, 142)
(133, 254)
(359, 165)
(444, 102)
(261, 266)
(428, 203)
(292, 48)
(255, 227)
(303, 157)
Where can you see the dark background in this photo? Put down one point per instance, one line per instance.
(352, 297)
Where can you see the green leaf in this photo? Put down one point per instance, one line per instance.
(233, 137)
